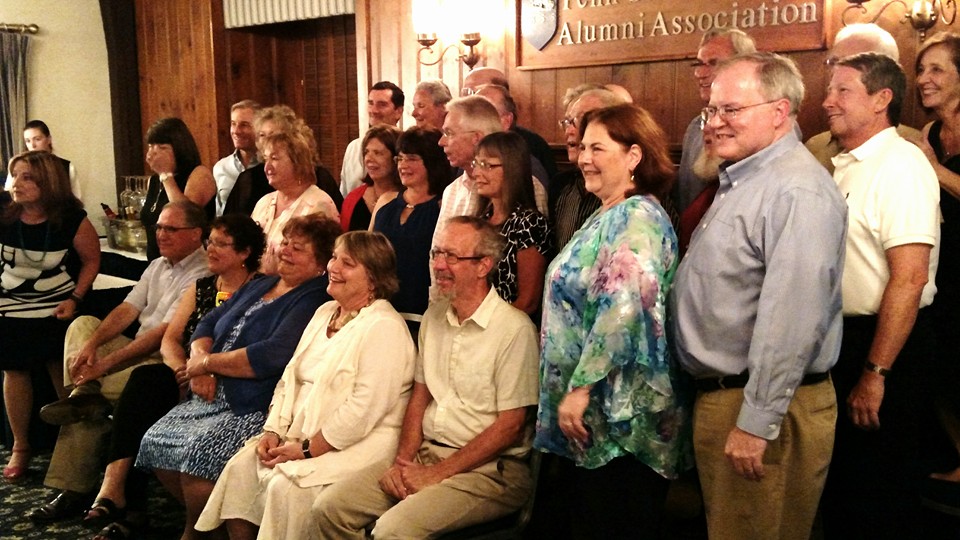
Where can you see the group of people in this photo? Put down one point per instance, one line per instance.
(327, 361)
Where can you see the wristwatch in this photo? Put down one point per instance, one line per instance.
(306, 449)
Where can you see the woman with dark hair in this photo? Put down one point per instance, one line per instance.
(505, 186)
(36, 136)
(233, 255)
(610, 401)
(243, 346)
(338, 407)
(938, 85)
(409, 219)
(379, 150)
(43, 232)
(173, 155)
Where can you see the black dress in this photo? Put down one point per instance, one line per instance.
(35, 276)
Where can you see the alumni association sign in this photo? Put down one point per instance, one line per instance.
(568, 33)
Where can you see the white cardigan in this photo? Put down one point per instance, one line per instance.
(360, 391)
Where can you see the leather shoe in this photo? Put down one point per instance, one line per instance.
(76, 409)
(66, 505)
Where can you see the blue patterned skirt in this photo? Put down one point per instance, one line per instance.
(198, 437)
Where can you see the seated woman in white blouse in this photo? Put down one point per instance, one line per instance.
(338, 407)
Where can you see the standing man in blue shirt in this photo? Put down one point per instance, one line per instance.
(758, 310)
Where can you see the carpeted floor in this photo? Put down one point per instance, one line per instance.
(166, 515)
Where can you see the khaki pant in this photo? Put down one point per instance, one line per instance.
(76, 461)
(783, 505)
(346, 508)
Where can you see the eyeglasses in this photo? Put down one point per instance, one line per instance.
(451, 134)
(831, 61)
(218, 244)
(169, 228)
(450, 258)
(485, 165)
(701, 64)
(464, 92)
(726, 112)
(568, 122)
(412, 157)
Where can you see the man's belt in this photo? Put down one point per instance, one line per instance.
(709, 384)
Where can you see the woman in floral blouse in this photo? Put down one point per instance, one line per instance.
(611, 405)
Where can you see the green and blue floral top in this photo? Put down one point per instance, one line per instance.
(604, 323)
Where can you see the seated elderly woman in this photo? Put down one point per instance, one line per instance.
(245, 345)
(339, 404)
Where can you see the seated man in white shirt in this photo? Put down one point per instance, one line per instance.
(98, 359)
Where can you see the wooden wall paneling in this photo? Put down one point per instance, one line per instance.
(364, 46)
(177, 68)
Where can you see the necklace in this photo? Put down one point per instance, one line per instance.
(337, 322)
(23, 245)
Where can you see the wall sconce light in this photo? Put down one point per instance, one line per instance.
(469, 40)
(922, 16)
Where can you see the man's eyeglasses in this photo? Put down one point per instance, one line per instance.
(450, 258)
(412, 158)
(701, 64)
(451, 134)
(485, 165)
(727, 112)
(568, 122)
(169, 229)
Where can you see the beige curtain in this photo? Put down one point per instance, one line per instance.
(13, 94)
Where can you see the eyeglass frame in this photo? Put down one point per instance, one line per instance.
(567, 121)
(219, 245)
(726, 112)
(156, 228)
(448, 134)
(452, 259)
(398, 159)
(484, 165)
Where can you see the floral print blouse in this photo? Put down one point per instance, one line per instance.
(604, 321)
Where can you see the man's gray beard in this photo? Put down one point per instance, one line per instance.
(706, 167)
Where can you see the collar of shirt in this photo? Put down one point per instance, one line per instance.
(254, 160)
(748, 167)
(870, 148)
(481, 316)
(188, 261)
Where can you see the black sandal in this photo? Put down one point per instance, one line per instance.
(118, 530)
(103, 511)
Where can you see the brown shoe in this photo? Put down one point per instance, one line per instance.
(76, 409)
(66, 505)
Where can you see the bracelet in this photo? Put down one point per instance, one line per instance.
(881, 371)
(76, 298)
(204, 363)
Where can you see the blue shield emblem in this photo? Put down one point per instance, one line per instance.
(538, 21)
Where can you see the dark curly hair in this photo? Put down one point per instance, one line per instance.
(246, 234)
